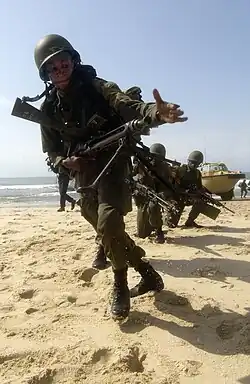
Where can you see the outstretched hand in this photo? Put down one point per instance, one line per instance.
(168, 112)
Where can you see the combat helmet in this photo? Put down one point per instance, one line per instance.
(133, 91)
(49, 46)
(196, 157)
(158, 149)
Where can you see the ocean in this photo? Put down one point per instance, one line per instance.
(35, 191)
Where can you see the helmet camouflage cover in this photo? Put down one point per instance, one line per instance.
(196, 156)
(133, 91)
(158, 149)
(49, 46)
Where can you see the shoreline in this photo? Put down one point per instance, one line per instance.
(55, 202)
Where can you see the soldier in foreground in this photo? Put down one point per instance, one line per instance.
(100, 260)
(149, 213)
(81, 99)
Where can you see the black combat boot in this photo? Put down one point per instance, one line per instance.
(100, 260)
(120, 305)
(159, 239)
(61, 209)
(150, 281)
(192, 224)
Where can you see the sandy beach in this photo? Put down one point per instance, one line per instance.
(55, 325)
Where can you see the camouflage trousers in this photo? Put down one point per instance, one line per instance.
(109, 225)
(173, 219)
(63, 183)
(149, 218)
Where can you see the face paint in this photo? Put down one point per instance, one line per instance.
(59, 69)
(192, 164)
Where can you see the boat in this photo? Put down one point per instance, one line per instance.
(219, 180)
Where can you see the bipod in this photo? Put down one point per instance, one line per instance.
(109, 164)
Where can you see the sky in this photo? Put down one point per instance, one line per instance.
(195, 52)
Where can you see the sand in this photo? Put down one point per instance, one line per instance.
(55, 325)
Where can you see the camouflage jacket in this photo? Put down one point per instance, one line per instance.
(187, 178)
(80, 99)
(163, 169)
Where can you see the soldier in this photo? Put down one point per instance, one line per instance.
(188, 178)
(79, 98)
(243, 189)
(63, 183)
(134, 93)
(149, 213)
(100, 260)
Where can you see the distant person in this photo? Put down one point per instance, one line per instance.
(243, 189)
(63, 184)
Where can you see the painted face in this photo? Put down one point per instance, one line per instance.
(193, 164)
(59, 69)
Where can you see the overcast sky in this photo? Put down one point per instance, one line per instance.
(195, 52)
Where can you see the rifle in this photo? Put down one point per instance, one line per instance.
(209, 199)
(147, 192)
(25, 111)
(154, 156)
(124, 137)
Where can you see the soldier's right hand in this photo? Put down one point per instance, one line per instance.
(73, 163)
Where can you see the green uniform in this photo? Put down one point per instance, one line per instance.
(187, 178)
(105, 208)
(149, 214)
(243, 189)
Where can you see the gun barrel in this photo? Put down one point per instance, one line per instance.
(174, 162)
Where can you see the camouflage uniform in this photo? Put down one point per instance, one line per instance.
(105, 208)
(63, 183)
(243, 189)
(149, 213)
(188, 178)
(63, 178)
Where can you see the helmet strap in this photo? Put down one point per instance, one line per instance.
(48, 88)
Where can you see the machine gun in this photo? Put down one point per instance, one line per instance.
(207, 199)
(125, 141)
(139, 189)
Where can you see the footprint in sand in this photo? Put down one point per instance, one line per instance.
(26, 294)
(2, 266)
(86, 275)
(72, 299)
(45, 377)
(209, 272)
(130, 360)
(101, 355)
(189, 368)
(31, 310)
(134, 360)
(227, 329)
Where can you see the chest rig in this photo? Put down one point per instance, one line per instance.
(84, 110)
(188, 177)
